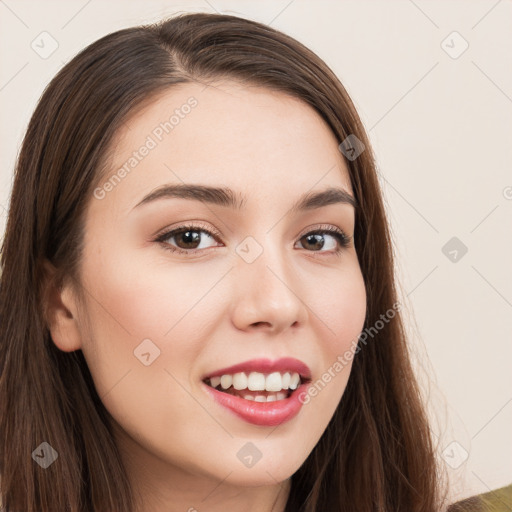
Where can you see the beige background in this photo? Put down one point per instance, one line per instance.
(440, 125)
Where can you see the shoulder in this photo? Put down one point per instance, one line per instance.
(499, 500)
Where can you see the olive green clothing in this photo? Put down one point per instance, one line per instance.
(499, 500)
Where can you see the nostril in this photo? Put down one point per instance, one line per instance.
(259, 323)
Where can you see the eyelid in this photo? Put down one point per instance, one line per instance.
(198, 224)
(325, 227)
(190, 224)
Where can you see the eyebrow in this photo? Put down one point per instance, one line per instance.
(224, 196)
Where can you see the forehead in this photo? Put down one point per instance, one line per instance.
(255, 140)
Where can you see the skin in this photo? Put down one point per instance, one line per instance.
(213, 309)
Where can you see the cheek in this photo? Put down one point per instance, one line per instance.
(348, 311)
(146, 314)
(338, 309)
(152, 298)
(339, 306)
(137, 309)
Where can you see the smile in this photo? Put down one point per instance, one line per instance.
(257, 386)
(267, 397)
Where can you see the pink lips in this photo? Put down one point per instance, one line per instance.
(263, 413)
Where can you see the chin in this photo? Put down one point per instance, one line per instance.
(264, 472)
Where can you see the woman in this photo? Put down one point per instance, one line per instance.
(143, 370)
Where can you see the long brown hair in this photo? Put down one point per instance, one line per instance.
(376, 454)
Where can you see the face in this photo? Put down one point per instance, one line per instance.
(238, 284)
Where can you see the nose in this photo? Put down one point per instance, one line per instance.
(267, 293)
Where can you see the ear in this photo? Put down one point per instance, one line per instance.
(60, 308)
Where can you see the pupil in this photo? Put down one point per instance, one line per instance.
(190, 237)
(318, 240)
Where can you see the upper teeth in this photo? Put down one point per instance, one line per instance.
(256, 381)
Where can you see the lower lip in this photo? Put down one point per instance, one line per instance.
(268, 414)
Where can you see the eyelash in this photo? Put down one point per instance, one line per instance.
(341, 237)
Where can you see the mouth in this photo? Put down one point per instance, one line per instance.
(261, 392)
(258, 386)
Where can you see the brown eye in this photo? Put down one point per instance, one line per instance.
(315, 241)
(187, 239)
